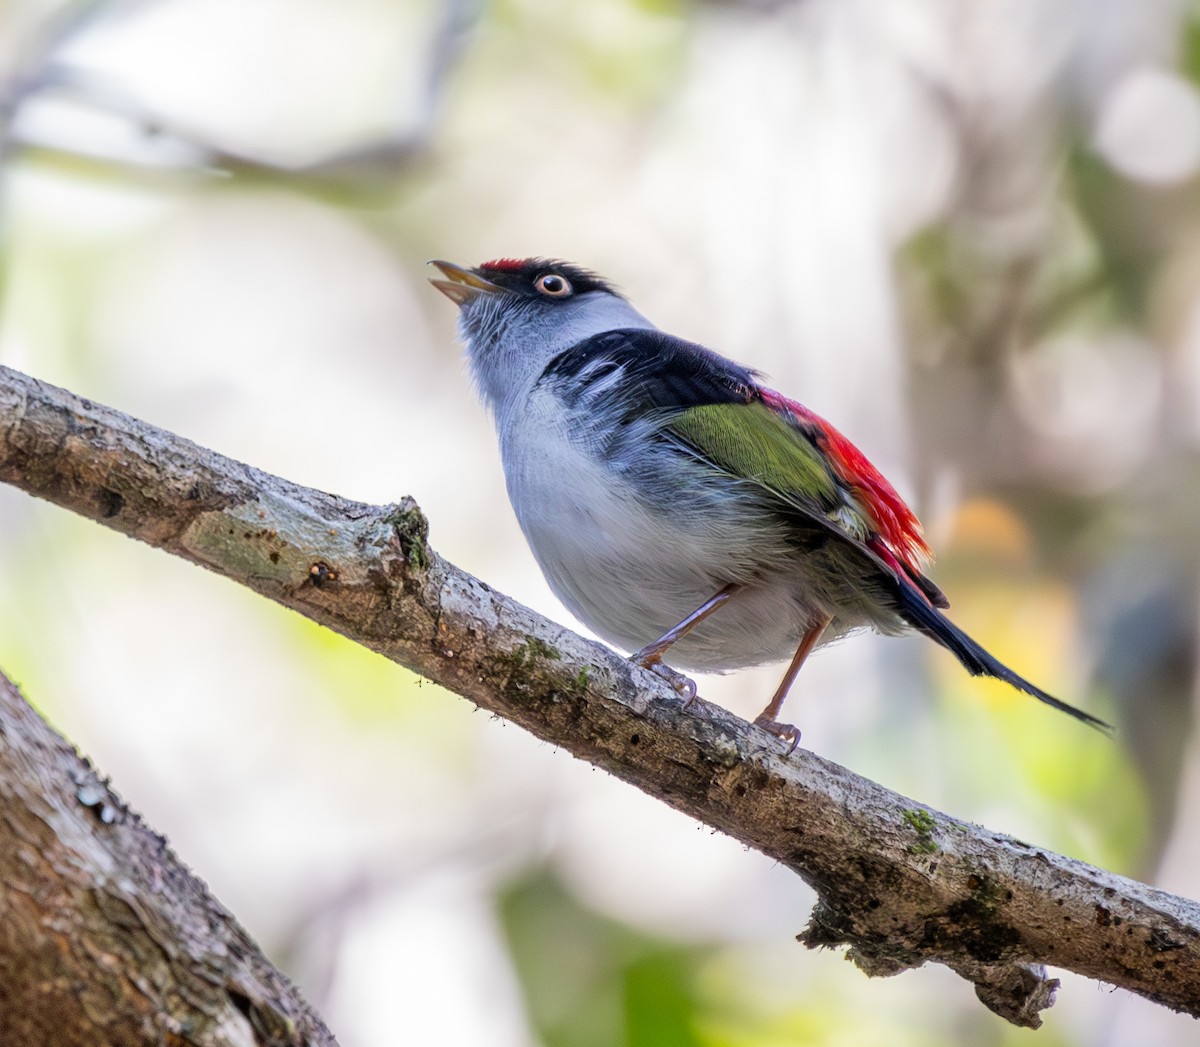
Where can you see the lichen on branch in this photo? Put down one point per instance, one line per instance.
(899, 883)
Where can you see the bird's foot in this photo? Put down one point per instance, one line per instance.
(785, 732)
(682, 685)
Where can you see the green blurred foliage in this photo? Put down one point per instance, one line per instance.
(1123, 232)
(625, 53)
(590, 981)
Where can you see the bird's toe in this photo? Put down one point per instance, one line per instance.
(682, 685)
(785, 732)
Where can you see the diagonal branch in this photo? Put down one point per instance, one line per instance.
(898, 882)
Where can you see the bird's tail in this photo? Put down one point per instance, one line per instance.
(978, 662)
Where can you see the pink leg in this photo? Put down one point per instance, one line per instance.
(768, 718)
(650, 656)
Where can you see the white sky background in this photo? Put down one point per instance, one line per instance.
(754, 203)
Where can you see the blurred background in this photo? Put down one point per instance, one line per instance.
(969, 234)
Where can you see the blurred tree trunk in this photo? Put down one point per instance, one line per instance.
(105, 937)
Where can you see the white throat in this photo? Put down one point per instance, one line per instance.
(509, 346)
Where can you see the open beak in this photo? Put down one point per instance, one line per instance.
(464, 284)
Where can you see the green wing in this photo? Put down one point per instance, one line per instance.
(756, 444)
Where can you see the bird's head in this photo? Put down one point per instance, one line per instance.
(516, 315)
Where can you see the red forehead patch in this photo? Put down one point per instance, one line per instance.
(505, 265)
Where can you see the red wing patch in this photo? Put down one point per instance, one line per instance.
(897, 525)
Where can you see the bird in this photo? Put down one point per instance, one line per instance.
(676, 504)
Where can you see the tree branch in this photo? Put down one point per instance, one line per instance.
(104, 935)
(898, 882)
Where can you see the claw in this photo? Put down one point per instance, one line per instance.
(785, 732)
(682, 685)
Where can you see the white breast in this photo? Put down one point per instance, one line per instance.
(629, 570)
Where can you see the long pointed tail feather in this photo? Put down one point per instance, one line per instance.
(975, 659)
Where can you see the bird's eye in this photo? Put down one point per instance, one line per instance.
(552, 285)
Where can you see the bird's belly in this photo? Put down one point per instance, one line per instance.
(631, 569)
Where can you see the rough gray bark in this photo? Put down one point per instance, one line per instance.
(105, 937)
(898, 882)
